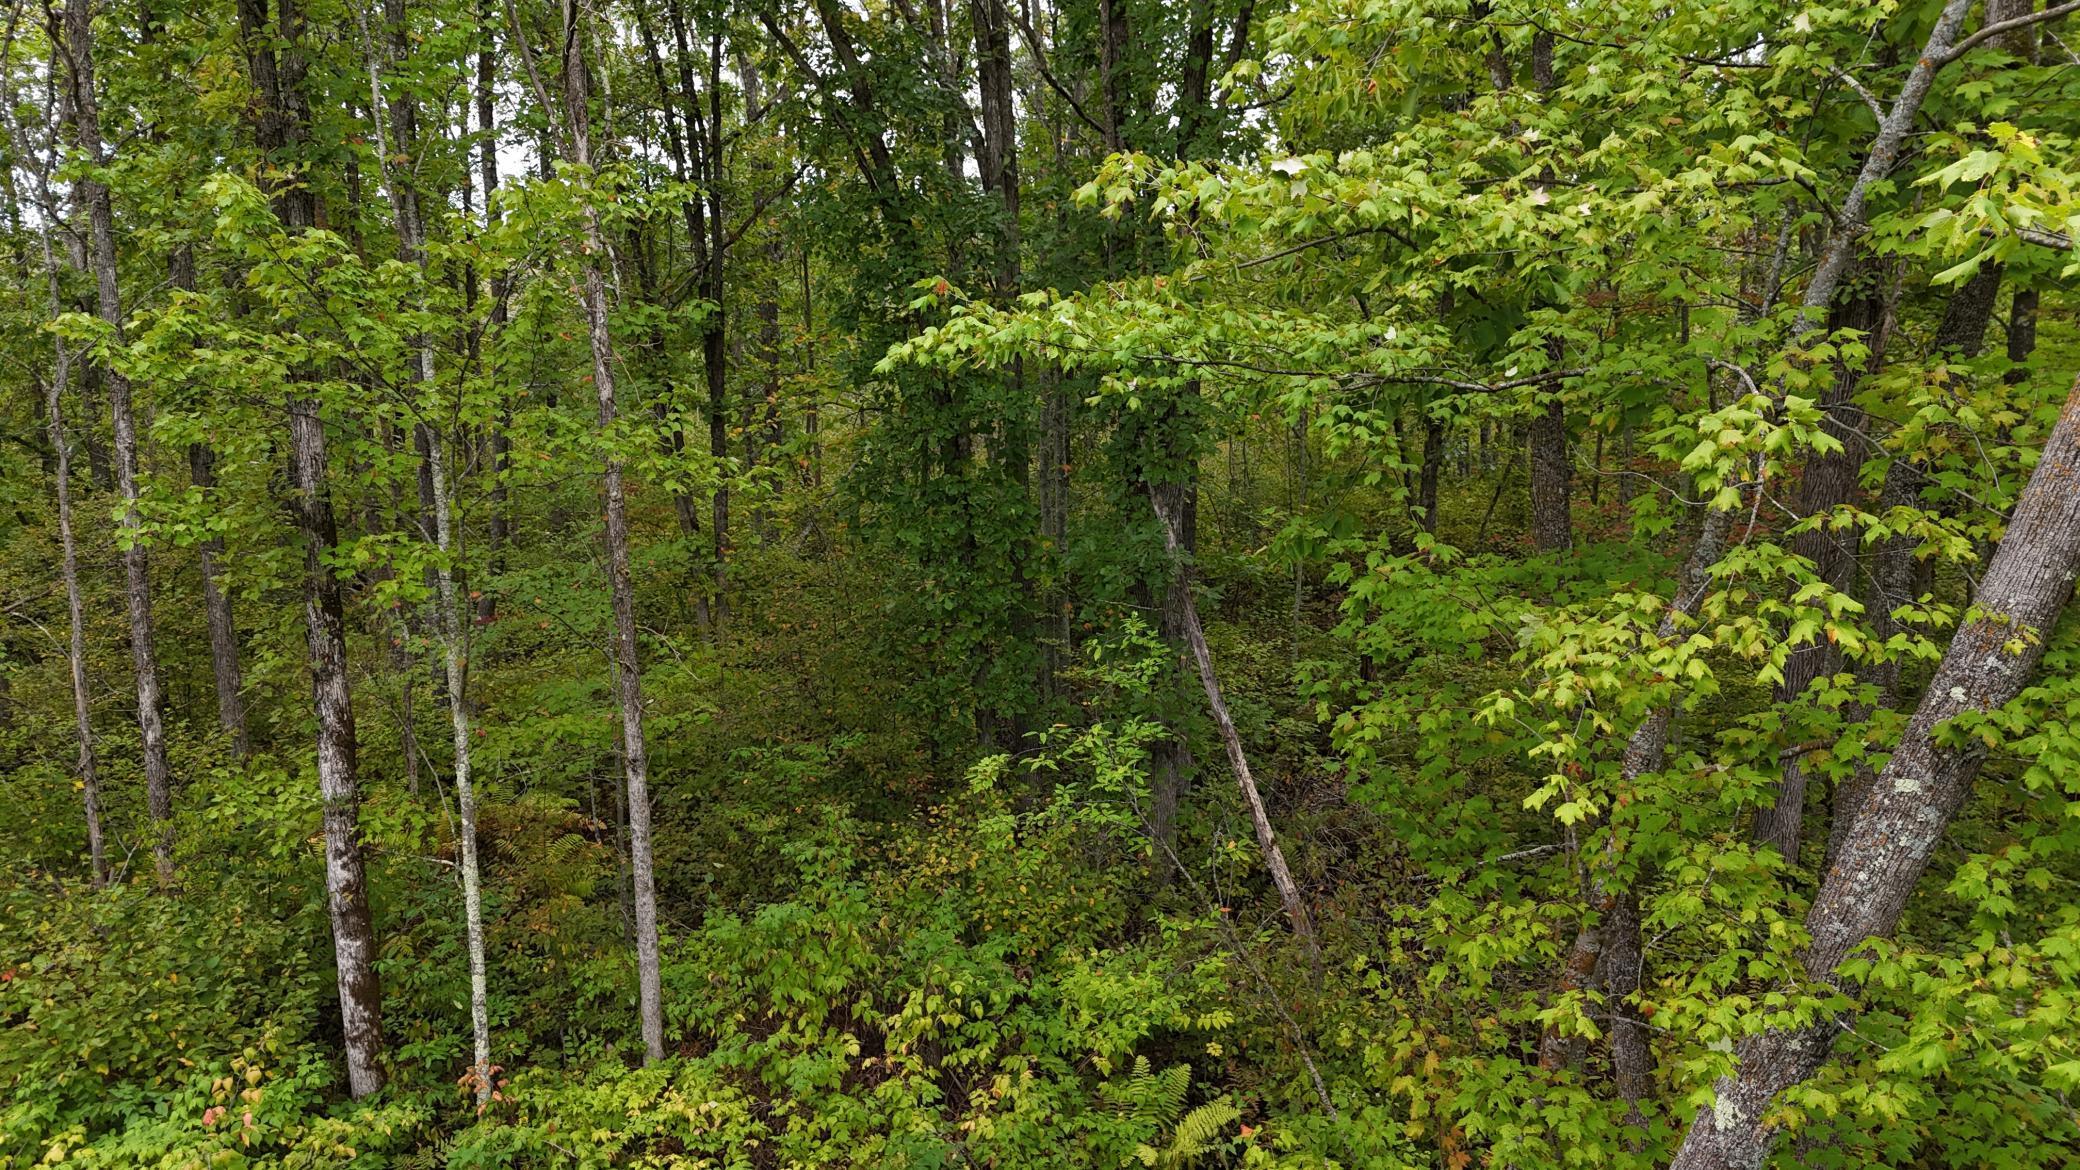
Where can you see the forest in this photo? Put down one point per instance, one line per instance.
(1026, 584)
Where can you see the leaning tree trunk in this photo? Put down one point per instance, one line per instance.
(1991, 658)
(1195, 639)
(137, 588)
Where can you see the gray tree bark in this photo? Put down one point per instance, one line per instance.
(406, 205)
(628, 682)
(281, 128)
(1202, 658)
(1991, 658)
(77, 46)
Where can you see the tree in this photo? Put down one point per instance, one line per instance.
(83, 105)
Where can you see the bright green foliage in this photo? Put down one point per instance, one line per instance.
(1316, 270)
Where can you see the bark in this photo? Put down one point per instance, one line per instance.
(1991, 658)
(281, 127)
(346, 885)
(501, 520)
(455, 657)
(2022, 333)
(1433, 465)
(1828, 481)
(1170, 757)
(1623, 963)
(1611, 907)
(76, 645)
(216, 602)
(1202, 658)
(1551, 479)
(223, 631)
(1850, 218)
(1194, 98)
(68, 567)
(628, 683)
(1113, 70)
(1962, 331)
(59, 465)
(411, 241)
(78, 49)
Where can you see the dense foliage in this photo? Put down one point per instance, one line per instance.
(1332, 583)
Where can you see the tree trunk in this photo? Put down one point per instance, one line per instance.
(501, 520)
(627, 675)
(433, 478)
(137, 589)
(223, 632)
(68, 565)
(60, 467)
(1829, 481)
(1433, 465)
(1991, 658)
(1644, 753)
(346, 886)
(1195, 639)
(282, 124)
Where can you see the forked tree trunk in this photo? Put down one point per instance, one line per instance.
(78, 49)
(1991, 658)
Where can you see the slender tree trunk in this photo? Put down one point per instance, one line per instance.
(1202, 658)
(501, 519)
(627, 676)
(78, 47)
(411, 240)
(1433, 466)
(68, 566)
(1991, 658)
(1829, 481)
(60, 467)
(223, 631)
(1612, 907)
(281, 129)
(455, 655)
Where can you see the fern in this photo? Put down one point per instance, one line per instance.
(1198, 1134)
(1157, 1099)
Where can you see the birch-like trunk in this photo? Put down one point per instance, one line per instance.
(628, 681)
(282, 122)
(407, 207)
(78, 51)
